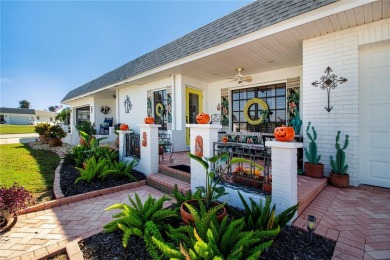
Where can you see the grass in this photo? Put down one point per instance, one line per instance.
(16, 129)
(32, 169)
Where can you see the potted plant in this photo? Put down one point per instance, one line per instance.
(212, 191)
(88, 128)
(55, 133)
(339, 177)
(12, 199)
(313, 168)
(41, 129)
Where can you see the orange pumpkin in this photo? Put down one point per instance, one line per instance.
(124, 127)
(284, 133)
(225, 139)
(149, 120)
(203, 118)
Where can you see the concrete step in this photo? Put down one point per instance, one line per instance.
(166, 183)
(177, 174)
(308, 189)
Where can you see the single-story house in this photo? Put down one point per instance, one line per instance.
(25, 116)
(277, 51)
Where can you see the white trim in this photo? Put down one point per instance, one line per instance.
(307, 17)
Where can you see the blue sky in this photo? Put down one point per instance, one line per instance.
(51, 47)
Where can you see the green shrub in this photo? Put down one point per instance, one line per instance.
(86, 127)
(132, 219)
(94, 169)
(42, 128)
(210, 239)
(258, 217)
(119, 169)
(56, 132)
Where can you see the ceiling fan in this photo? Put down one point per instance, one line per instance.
(241, 78)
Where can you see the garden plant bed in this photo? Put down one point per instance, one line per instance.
(69, 174)
(289, 244)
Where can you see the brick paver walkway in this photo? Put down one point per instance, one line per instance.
(358, 218)
(64, 223)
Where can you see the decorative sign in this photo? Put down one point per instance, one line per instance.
(105, 109)
(199, 146)
(328, 82)
(128, 105)
(144, 139)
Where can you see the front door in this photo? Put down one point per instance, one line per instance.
(374, 116)
(194, 105)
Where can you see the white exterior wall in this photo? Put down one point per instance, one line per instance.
(340, 51)
(99, 116)
(73, 137)
(138, 97)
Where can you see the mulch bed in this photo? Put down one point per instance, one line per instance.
(289, 244)
(69, 174)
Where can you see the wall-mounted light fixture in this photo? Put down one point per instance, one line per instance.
(328, 82)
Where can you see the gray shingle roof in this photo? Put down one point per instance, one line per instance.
(26, 111)
(250, 18)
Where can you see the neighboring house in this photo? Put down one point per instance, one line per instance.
(284, 46)
(25, 116)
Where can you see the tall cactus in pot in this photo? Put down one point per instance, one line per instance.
(311, 154)
(338, 165)
(313, 168)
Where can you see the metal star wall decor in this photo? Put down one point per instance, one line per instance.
(328, 82)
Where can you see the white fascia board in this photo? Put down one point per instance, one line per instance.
(313, 15)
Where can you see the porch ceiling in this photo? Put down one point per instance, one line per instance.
(277, 51)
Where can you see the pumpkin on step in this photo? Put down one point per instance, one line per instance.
(149, 120)
(284, 133)
(203, 118)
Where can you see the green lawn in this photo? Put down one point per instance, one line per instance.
(32, 169)
(16, 129)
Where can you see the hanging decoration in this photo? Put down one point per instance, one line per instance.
(328, 82)
(263, 113)
(128, 105)
(169, 107)
(225, 107)
(160, 111)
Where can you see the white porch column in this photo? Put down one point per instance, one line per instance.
(209, 134)
(122, 141)
(284, 174)
(149, 153)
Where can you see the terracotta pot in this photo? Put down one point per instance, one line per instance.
(43, 139)
(54, 142)
(314, 170)
(339, 181)
(187, 217)
(5, 217)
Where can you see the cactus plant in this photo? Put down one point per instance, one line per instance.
(311, 154)
(338, 165)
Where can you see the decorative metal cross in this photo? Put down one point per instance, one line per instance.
(328, 82)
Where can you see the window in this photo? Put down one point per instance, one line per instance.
(160, 104)
(275, 97)
(82, 114)
(38, 118)
(2, 118)
(51, 119)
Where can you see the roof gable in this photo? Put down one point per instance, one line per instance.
(248, 19)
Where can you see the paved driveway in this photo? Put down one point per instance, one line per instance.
(18, 138)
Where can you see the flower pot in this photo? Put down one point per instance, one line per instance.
(187, 217)
(54, 142)
(5, 217)
(338, 180)
(247, 180)
(314, 170)
(43, 139)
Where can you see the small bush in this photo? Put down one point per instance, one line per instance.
(56, 132)
(42, 128)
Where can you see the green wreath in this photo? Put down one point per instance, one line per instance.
(248, 104)
(159, 109)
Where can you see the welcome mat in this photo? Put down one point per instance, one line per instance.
(182, 167)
